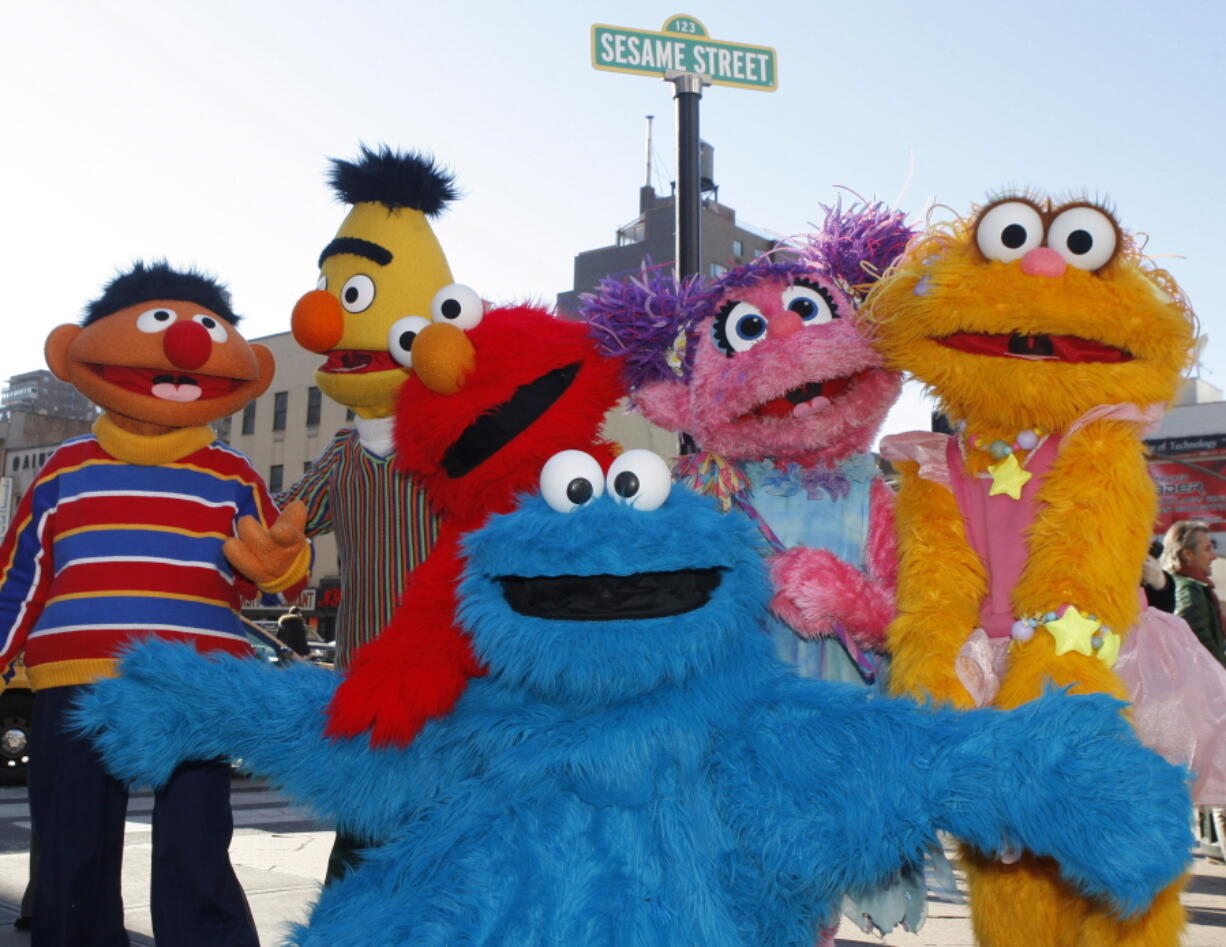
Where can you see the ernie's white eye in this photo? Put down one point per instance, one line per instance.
(1009, 230)
(458, 305)
(1084, 236)
(639, 478)
(570, 480)
(810, 302)
(155, 320)
(213, 326)
(358, 293)
(400, 338)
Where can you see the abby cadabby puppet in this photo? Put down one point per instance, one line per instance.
(1044, 333)
(766, 370)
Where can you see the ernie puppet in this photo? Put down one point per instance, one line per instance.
(124, 535)
(1052, 344)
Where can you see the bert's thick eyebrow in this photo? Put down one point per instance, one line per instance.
(358, 247)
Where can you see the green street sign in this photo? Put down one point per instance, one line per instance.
(683, 45)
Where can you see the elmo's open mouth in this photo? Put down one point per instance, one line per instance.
(1039, 347)
(805, 400)
(500, 424)
(610, 597)
(166, 385)
(358, 362)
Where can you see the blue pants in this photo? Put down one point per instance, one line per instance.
(78, 811)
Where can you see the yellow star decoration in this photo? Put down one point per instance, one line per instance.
(1008, 477)
(1073, 632)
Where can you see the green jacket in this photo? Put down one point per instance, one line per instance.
(1196, 606)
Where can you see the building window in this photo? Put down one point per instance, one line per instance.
(718, 270)
(16, 461)
(349, 415)
(249, 418)
(306, 466)
(276, 477)
(313, 400)
(738, 248)
(280, 402)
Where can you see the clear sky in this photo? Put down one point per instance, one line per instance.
(199, 131)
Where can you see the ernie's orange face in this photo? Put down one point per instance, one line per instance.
(1030, 314)
(166, 362)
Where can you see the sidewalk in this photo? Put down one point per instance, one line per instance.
(281, 873)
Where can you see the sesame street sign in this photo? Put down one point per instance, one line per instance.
(683, 46)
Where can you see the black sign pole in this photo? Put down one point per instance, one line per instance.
(688, 200)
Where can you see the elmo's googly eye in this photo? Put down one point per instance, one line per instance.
(738, 327)
(639, 478)
(358, 293)
(213, 326)
(400, 338)
(810, 302)
(570, 480)
(155, 320)
(1084, 236)
(458, 305)
(1009, 230)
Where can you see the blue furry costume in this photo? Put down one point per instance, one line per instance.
(638, 768)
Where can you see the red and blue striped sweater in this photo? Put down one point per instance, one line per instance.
(120, 536)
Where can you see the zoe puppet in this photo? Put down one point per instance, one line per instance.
(637, 767)
(1050, 341)
(121, 538)
(383, 265)
(492, 395)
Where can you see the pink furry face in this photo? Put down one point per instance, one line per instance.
(783, 372)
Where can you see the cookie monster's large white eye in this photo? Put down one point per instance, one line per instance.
(570, 480)
(1009, 230)
(358, 293)
(212, 325)
(810, 302)
(639, 478)
(738, 327)
(155, 320)
(400, 338)
(458, 305)
(1085, 236)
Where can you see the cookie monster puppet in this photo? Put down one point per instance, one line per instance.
(637, 767)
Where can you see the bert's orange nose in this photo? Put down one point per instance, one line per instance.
(317, 322)
(443, 357)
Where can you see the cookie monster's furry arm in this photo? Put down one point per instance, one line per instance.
(983, 776)
(172, 704)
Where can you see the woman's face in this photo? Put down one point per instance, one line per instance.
(1200, 553)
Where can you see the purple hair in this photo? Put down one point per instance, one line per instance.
(856, 245)
(651, 319)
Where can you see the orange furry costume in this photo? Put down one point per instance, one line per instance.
(1040, 330)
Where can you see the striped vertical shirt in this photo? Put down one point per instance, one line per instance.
(384, 529)
(103, 550)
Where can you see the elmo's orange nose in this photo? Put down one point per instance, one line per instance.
(317, 322)
(443, 357)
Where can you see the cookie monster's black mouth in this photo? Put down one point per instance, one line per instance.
(610, 597)
(491, 432)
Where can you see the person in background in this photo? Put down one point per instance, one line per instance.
(291, 632)
(1188, 552)
(1157, 583)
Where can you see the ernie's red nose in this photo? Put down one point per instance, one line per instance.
(187, 344)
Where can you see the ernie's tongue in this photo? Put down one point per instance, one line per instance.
(803, 401)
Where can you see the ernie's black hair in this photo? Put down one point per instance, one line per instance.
(158, 280)
(394, 179)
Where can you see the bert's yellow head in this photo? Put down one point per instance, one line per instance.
(385, 264)
(1028, 314)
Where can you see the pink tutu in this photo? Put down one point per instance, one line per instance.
(1179, 699)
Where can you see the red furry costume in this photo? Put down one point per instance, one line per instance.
(486, 406)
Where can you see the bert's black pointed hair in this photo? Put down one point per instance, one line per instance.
(157, 280)
(395, 179)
